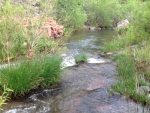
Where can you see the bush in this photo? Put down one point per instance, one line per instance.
(24, 76)
(109, 12)
(71, 13)
(137, 32)
(46, 45)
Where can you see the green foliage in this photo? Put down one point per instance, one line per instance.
(129, 79)
(51, 67)
(99, 15)
(19, 47)
(4, 96)
(15, 37)
(10, 10)
(127, 87)
(11, 37)
(80, 58)
(21, 78)
(126, 66)
(133, 60)
(137, 34)
(71, 13)
(45, 44)
(24, 76)
(107, 13)
(138, 31)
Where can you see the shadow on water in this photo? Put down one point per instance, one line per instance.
(84, 88)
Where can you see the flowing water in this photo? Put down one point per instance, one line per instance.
(89, 42)
(84, 88)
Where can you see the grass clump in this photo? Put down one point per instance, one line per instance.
(125, 65)
(126, 72)
(21, 78)
(51, 74)
(80, 58)
(28, 75)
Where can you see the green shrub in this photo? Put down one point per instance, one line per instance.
(139, 30)
(81, 58)
(71, 13)
(100, 12)
(18, 47)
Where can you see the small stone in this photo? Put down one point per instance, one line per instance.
(143, 90)
(109, 53)
(116, 93)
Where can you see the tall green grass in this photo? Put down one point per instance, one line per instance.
(51, 74)
(22, 77)
(130, 79)
(27, 75)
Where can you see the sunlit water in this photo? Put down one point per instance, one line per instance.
(84, 88)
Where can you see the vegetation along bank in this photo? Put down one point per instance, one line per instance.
(37, 28)
(131, 47)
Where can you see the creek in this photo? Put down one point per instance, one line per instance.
(84, 88)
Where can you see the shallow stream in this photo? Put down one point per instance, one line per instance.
(84, 88)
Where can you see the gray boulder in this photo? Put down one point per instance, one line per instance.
(123, 24)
